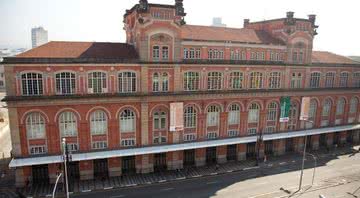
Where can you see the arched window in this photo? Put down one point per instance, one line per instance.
(234, 114)
(340, 106)
(68, 124)
(156, 52)
(190, 117)
(214, 81)
(35, 126)
(256, 80)
(315, 80)
(159, 120)
(191, 81)
(127, 121)
(326, 108)
(293, 115)
(254, 111)
(356, 79)
(213, 115)
(312, 114)
(329, 79)
(127, 82)
(65, 83)
(165, 82)
(155, 82)
(98, 123)
(236, 80)
(97, 82)
(353, 105)
(274, 80)
(165, 53)
(344, 77)
(32, 84)
(272, 111)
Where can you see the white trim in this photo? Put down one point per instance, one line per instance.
(19, 162)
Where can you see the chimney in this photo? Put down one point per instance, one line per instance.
(246, 22)
(289, 15)
(312, 18)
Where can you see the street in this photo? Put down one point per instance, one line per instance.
(335, 176)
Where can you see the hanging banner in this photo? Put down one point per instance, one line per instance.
(176, 116)
(284, 109)
(305, 106)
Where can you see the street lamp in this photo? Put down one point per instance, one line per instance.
(65, 156)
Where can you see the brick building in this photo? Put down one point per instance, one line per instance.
(111, 100)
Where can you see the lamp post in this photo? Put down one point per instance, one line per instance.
(65, 156)
(258, 146)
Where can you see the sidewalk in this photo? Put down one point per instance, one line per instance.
(43, 190)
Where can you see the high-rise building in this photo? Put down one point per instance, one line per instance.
(112, 102)
(217, 22)
(39, 36)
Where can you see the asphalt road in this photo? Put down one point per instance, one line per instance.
(332, 172)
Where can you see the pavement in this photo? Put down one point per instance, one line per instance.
(278, 177)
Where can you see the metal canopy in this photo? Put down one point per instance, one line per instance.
(19, 162)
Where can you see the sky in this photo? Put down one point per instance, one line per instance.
(101, 20)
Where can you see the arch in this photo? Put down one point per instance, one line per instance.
(241, 105)
(318, 102)
(95, 109)
(330, 98)
(158, 106)
(197, 106)
(24, 116)
(121, 109)
(277, 101)
(214, 103)
(66, 109)
(259, 102)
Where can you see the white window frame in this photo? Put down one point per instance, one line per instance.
(98, 145)
(272, 110)
(190, 117)
(326, 108)
(98, 123)
(274, 80)
(188, 137)
(256, 80)
(340, 106)
(329, 79)
(159, 139)
(127, 121)
(344, 79)
(354, 102)
(97, 82)
(213, 115)
(37, 149)
(254, 113)
(315, 80)
(65, 83)
(156, 52)
(233, 133)
(68, 124)
(127, 82)
(215, 80)
(211, 135)
(35, 126)
(32, 84)
(128, 142)
(160, 120)
(236, 80)
(296, 80)
(191, 81)
(234, 114)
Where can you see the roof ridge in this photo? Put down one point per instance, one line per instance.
(209, 26)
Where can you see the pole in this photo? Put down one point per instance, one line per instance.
(315, 164)
(57, 180)
(65, 167)
(302, 166)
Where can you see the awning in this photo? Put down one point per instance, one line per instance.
(19, 162)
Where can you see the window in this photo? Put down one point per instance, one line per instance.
(165, 82)
(340, 106)
(72, 147)
(254, 113)
(211, 135)
(260, 56)
(98, 123)
(236, 80)
(272, 111)
(353, 105)
(156, 86)
(191, 81)
(252, 56)
(213, 115)
(189, 137)
(159, 120)
(356, 79)
(35, 126)
(37, 150)
(295, 57)
(99, 145)
(165, 53)
(215, 54)
(269, 129)
(256, 80)
(274, 80)
(156, 52)
(315, 80)
(32, 84)
(128, 142)
(127, 121)
(329, 79)
(326, 108)
(234, 114)
(65, 83)
(235, 55)
(293, 115)
(192, 53)
(68, 124)
(159, 139)
(233, 133)
(312, 114)
(301, 57)
(252, 131)
(296, 80)
(97, 82)
(127, 82)
(190, 117)
(344, 79)
(214, 81)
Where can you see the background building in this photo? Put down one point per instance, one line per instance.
(217, 22)
(39, 36)
(111, 101)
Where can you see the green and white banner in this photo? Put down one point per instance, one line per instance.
(284, 109)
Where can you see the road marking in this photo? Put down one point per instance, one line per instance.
(254, 167)
(162, 181)
(230, 171)
(213, 173)
(117, 196)
(197, 176)
(167, 189)
(86, 190)
(213, 182)
(130, 185)
(180, 178)
(108, 188)
(282, 163)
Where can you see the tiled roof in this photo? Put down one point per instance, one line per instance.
(328, 57)
(62, 49)
(244, 35)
